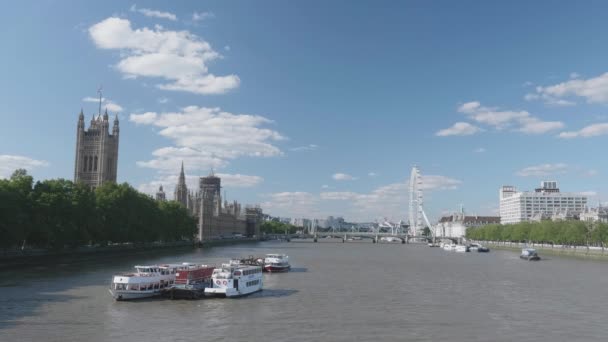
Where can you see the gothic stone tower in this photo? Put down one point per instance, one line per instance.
(181, 190)
(96, 151)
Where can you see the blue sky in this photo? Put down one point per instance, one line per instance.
(316, 108)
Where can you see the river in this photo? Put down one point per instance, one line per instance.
(337, 291)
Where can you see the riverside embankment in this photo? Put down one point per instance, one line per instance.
(587, 252)
(18, 255)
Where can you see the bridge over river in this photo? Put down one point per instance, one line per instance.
(374, 236)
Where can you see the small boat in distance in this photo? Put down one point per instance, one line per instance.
(146, 281)
(433, 244)
(475, 247)
(390, 239)
(461, 248)
(449, 246)
(276, 263)
(529, 254)
(234, 280)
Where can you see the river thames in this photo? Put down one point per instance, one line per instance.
(336, 292)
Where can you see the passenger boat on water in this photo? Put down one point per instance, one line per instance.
(234, 280)
(146, 281)
(461, 248)
(276, 263)
(191, 280)
(529, 254)
(475, 247)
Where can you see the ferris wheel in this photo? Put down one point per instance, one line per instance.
(417, 215)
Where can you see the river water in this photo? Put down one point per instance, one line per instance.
(336, 292)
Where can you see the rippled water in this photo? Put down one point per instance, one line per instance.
(336, 292)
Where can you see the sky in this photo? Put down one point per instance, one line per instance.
(316, 108)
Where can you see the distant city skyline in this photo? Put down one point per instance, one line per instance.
(315, 109)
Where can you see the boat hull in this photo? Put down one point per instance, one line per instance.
(120, 295)
(276, 269)
(530, 258)
(229, 292)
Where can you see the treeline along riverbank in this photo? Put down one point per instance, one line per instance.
(58, 214)
(566, 235)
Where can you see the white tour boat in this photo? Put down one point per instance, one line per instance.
(449, 246)
(146, 281)
(233, 280)
(276, 263)
(461, 248)
(390, 239)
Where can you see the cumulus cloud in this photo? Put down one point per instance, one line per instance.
(207, 138)
(154, 13)
(179, 57)
(459, 128)
(105, 104)
(372, 174)
(291, 204)
(10, 163)
(543, 170)
(593, 90)
(168, 181)
(521, 121)
(479, 150)
(587, 132)
(343, 177)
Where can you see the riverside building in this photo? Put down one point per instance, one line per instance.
(544, 202)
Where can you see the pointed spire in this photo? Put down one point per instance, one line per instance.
(81, 115)
(105, 115)
(116, 119)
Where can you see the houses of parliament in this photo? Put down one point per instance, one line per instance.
(96, 162)
(216, 219)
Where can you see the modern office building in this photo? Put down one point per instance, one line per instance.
(544, 202)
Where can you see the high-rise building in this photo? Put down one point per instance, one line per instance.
(543, 203)
(96, 159)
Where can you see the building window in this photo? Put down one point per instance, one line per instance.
(84, 166)
(90, 163)
(95, 168)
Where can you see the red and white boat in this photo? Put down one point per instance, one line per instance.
(146, 281)
(191, 281)
(276, 263)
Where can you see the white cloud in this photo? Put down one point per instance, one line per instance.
(227, 47)
(372, 174)
(179, 57)
(343, 177)
(208, 137)
(291, 204)
(168, 181)
(459, 128)
(594, 90)
(154, 13)
(143, 119)
(200, 16)
(10, 163)
(310, 147)
(520, 121)
(586, 132)
(543, 170)
(162, 100)
(533, 125)
(479, 150)
(575, 75)
(436, 182)
(105, 104)
(589, 193)
(324, 186)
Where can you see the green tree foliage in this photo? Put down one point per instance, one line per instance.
(276, 227)
(58, 213)
(556, 232)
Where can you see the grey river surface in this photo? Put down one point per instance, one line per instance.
(337, 292)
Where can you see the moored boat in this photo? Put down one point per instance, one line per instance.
(146, 281)
(449, 246)
(390, 239)
(276, 263)
(234, 280)
(475, 247)
(191, 280)
(461, 248)
(529, 254)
